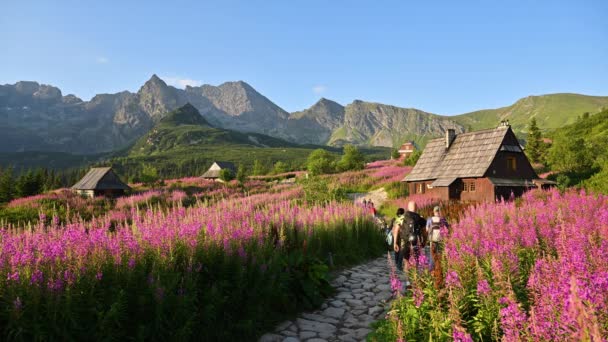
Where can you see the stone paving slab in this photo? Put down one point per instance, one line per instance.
(362, 297)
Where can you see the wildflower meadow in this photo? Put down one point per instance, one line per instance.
(532, 269)
(152, 268)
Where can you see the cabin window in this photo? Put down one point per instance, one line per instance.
(465, 186)
(511, 163)
(472, 186)
(420, 188)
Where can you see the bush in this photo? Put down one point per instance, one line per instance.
(321, 162)
(226, 175)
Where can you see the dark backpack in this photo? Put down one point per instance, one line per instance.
(411, 230)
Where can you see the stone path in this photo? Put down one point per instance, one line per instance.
(363, 294)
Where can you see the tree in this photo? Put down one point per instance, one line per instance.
(241, 174)
(279, 167)
(149, 174)
(352, 159)
(27, 184)
(570, 155)
(395, 154)
(226, 175)
(534, 146)
(258, 168)
(7, 189)
(412, 159)
(320, 162)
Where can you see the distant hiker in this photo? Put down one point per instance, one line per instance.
(408, 235)
(435, 246)
(364, 203)
(372, 209)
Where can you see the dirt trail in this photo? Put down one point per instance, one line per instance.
(378, 197)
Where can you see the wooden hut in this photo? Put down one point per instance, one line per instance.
(216, 167)
(100, 181)
(406, 150)
(478, 166)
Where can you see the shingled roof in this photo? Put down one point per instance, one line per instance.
(100, 178)
(469, 155)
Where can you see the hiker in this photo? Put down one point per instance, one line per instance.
(372, 209)
(435, 245)
(407, 235)
(395, 226)
(364, 203)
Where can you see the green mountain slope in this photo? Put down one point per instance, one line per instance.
(551, 111)
(185, 130)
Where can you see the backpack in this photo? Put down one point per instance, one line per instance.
(389, 237)
(435, 231)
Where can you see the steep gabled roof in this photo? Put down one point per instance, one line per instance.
(226, 165)
(100, 178)
(216, 173)
(469, 155)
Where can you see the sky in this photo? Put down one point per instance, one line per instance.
(444, 57)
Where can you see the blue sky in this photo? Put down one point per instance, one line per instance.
(445, 57)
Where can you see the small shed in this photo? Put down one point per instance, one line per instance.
(406, 150)
(216, 167)
(100, 181)
(481, 166)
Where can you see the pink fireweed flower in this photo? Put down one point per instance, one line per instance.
(36, 278)
(99, 276)
(452, 279)
(418, 296)
(459, 334)
(483, 288)
(14, 276)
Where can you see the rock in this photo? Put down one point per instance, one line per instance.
(320, 327)
(319, 318)
(383, 296)
(337, 303)
(362, 332)
(344, 295)
(271, 338)
(358, 290)
(283, 326)
(334, 312)
(339, 281)
(291, 339)
(368, 286)
(307, 334)
(347, 338)
(383, 287)
(354, 302)
(289, 333)
(374, 310)
(324, 306)
(357, 312)
(316, 340)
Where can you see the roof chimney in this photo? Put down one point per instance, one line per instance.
(450, 135)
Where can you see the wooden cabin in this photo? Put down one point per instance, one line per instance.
(216, 167)
(480, 166)
(406, 150)
(100, 181)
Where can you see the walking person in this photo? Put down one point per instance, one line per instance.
(408, 235)
(435, 246)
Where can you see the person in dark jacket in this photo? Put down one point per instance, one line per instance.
(408, 235)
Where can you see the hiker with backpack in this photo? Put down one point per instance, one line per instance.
(435, 246)
(408, 236)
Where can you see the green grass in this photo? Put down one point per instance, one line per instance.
(551, 111)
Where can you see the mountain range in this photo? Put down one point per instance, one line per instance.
(38, 117)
